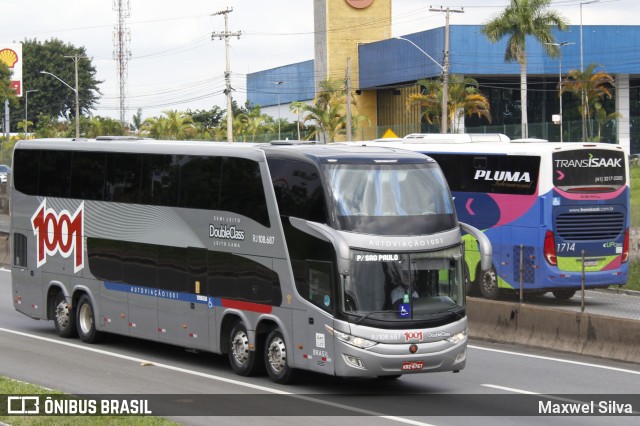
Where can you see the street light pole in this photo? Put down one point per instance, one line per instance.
(26, 103)
(77, 97)
(560, 46)
(445, 85)
(278, 84)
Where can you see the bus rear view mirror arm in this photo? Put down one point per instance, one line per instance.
(486, 251)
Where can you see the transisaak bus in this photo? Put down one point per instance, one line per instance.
(338, 260)
(557, 214)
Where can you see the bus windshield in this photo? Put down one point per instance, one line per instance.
(404, 286)
(381, 198)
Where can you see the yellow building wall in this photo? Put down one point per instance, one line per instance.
(340, 27)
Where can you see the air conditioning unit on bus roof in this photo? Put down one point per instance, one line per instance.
(455, 137)
(529, 140)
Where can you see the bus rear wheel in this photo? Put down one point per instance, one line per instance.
(64, 317)
(242, 359)
(275, 357)
(86, 321)
(564, 294)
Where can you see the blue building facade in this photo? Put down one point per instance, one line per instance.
(395, 63)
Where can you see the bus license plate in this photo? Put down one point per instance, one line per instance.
(590, 263)
(412, 365)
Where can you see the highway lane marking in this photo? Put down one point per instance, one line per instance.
(217, 378)
(547, 358)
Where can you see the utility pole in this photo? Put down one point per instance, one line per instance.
(76, 58)
(227, 75)
(445, 68)
(348, 99)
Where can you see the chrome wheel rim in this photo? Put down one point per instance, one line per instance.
(277, 354)
(240, 347)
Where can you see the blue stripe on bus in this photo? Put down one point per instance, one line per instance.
(162, 294)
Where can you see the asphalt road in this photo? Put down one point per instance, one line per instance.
(497, 381)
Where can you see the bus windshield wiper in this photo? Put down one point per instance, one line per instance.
(365, 316)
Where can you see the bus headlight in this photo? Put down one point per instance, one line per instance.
(358, 342)
(457, 338)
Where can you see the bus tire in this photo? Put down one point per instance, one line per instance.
(242, 359)
(564, 294)
(86, 320)
(389, 378)
(275, 358)
(64, 317)
(488, 283)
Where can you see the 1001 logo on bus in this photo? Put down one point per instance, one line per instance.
(59, 233)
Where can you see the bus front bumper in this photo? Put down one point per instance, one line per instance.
(395, 359)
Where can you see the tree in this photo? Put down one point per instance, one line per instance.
(328, 110)
(174, 125)
(593, 87)
(464, 97)
(207, 119)
(137, 120)
(53, 98)
(101, 126)
(296, 108)
(521, 19)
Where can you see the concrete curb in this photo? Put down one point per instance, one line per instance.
(551, 328)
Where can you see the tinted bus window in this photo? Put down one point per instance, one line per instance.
(160, 179)
(298, 190)
(122, 182)
(172, 269)
(491, 174)
(87, 175)
(241, 189)
(199, 182)
(26, 164)
(55, 174)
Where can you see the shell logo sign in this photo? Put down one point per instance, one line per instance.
(11, 55)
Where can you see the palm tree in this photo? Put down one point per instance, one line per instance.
(595, 85)
(328, 110)
(296, 108)
(603, 117)
(521, 19)
(464, 98)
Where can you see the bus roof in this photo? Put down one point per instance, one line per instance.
(492, 145)
(291, 149)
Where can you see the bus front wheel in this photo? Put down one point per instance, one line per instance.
(64, 316)
(86, 320)
(242, 359)
(275, 356)
(489, 284)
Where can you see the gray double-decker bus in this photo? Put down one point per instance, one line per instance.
(336, 259)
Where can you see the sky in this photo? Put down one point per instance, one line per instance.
(175, 64)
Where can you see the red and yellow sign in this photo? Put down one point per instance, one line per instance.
(11, 55)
